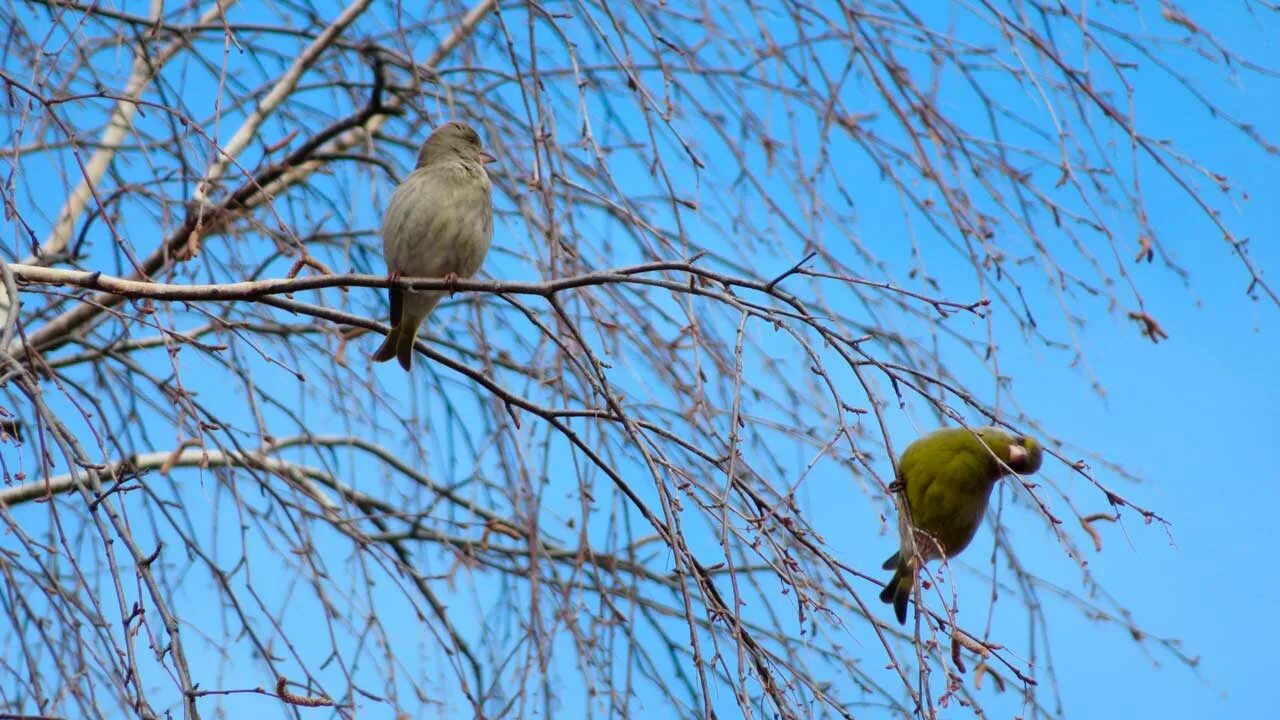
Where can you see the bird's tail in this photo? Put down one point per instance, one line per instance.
(898, 590)
(387, 349)
(404, 345)
(399, 345)
(400, 339)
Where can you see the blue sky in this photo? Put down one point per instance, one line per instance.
(1184, 414)
(1187, 415)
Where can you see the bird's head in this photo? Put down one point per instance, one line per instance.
(1021, 453)
(453, 140)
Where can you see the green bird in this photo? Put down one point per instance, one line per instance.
(946, 478)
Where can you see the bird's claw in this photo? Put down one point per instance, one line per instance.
(451, 280)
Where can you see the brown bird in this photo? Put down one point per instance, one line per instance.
(439, 223)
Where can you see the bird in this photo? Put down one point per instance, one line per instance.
(945, 478)
(439, 223)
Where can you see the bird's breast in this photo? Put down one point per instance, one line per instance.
(439, 221)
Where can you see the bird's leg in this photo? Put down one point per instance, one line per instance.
(451, 279)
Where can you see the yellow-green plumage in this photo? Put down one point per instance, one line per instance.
(946, 478)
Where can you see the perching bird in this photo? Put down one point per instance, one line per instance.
(946, 478)
(439, 224)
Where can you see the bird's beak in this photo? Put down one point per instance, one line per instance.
(1017, 455)
(486, 158)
